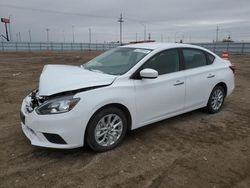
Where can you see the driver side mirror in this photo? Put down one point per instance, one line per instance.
(148, 73)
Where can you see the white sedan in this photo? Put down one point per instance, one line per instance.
(121, 90)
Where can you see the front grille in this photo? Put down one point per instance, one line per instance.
(22, 117)
(54, 138)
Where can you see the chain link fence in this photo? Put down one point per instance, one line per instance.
(53, 46)
(231, 47)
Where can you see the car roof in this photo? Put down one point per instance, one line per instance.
(156, 45)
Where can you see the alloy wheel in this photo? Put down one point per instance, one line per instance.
(217, 99)
(108, 130)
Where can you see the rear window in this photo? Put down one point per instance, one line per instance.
(194, 58)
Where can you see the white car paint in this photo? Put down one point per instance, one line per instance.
(160, 97)
(60, 78)
(147, 100)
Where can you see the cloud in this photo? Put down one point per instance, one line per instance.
(196, 20)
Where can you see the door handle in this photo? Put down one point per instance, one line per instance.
(210, 76)
(178, 82)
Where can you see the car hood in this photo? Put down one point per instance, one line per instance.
(60, 78)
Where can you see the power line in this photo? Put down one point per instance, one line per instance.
(55, 11)
(72, 13)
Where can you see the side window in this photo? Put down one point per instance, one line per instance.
(210, 58)
(194, 58)
(164, 62)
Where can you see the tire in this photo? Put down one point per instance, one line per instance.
(106, 129)
(216, 100)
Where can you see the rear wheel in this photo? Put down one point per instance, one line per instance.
(106, 129)
(216, 100)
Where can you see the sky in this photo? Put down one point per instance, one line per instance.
(165, 20)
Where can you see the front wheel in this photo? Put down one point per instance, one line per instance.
(216, 100)
(106, 129)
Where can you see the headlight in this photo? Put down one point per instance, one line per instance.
(57, 106)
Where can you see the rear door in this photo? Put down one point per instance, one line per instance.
(200, 77)
(160, 97)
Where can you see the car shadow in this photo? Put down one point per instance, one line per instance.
(40, 152)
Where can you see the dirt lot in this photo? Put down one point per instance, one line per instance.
(191, 150)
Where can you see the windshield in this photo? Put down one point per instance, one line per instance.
(116, 61)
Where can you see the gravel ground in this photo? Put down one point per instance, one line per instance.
(190, 150)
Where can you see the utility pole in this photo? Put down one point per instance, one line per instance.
(20, 36)
(30, 35)
(7, 35)
(121, 21)
(47, 31)
(149, 36)
(145, 32)
(10, 30)
(217, 33)
(175, 36)
(89, 35)
(6, 21)
(63, 36)
(73, 34)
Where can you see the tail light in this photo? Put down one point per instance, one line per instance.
(232, 67)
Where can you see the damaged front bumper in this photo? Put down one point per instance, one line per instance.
(54, 130)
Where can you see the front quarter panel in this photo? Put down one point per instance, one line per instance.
(121, 92)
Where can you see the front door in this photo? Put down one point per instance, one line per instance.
(163, 96)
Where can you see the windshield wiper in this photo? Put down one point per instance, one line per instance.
(96, 70)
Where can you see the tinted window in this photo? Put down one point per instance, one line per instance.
(164, 62)
(194, 58)
(210, 58)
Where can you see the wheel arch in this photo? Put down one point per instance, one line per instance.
(208, 107)
(223, 85)
(119, 106)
